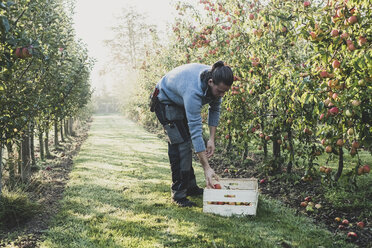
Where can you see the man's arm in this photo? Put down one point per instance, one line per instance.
(208, 171)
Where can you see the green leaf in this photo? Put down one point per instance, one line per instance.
(304, 97)
(5, 24)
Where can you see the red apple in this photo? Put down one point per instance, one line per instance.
(340, 142)
(306, 4)
(345, 222)
(334, 32)
(334, 111)
(303, 204)
(355, 144)
(308, 198)
(352, 235)
(313, 35)
(324, 74)
(251, 16)
(335, 96)
(351, 47)
(321, 117)
(336, 64)
(217, 186)
(352, 19)
(267, 138)
(18, 52)
(328, 149)
(360, 224)
(361, 41)
(366, 169)
(328, 170)
(262, 181)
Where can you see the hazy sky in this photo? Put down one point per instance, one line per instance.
(93, 19)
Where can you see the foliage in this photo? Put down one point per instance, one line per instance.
(288, 91)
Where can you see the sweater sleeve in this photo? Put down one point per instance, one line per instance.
(193, 105)
(214, 112)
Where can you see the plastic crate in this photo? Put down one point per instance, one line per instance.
(236, 197)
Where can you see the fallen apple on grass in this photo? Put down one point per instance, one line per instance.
(345, 222)
(360, 224)
(352, 235)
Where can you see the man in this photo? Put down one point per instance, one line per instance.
(177, 101)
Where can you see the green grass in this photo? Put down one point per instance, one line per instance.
(119, 196)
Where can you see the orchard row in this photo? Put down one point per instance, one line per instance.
(44, 78)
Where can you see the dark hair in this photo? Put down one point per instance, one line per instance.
(219, 73)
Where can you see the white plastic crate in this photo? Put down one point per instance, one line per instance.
(236, 197)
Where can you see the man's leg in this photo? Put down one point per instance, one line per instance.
(180, 157)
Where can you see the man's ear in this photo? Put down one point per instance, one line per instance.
(210, 82)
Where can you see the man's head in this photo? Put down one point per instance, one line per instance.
(220, 79)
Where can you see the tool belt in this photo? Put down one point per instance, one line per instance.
(154, 99)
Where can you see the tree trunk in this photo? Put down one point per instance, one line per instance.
(19, 158)
(66, 127)
(26, 158)
(41, 144)
(11, 164)
(276, 145)
(71, 123)
(62, 138)
(340, 163)
(264, 140)
(290, 140)
(46, 144)
(32, 144)
(55, 132)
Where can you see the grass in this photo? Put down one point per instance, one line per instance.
(119, 196)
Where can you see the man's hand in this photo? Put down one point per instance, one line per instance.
(210, 148)
(209, 175)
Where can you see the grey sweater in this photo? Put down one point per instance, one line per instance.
(182, 86)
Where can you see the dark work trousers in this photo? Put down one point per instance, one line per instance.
(179, 152)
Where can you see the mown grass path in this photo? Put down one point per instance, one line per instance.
(119, 196)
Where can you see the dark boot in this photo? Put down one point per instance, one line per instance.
(184, 202)
(195, 191)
